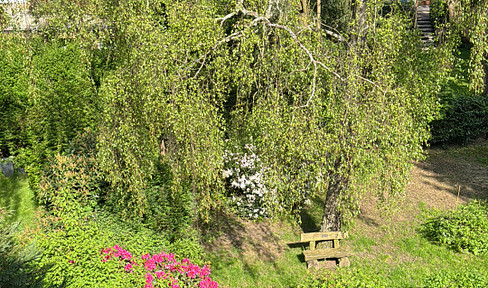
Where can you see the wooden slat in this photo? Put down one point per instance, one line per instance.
(312, 245)
(326, 253)
(336, 243)
(318, 236)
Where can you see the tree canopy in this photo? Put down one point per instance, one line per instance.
(339, 110)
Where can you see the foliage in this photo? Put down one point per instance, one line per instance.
(464, 118)
(15, 268)
(156, 105)
(71, 186)
(337, 14)
(160, 270)
(464, 229)
(168, 210)
(319, 110)
(439, 12)
(60, 102)
(71, 255)
(14, 57)
(457, 279)
(474, 14)
(3, 18)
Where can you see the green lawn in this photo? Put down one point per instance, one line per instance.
(17, 197)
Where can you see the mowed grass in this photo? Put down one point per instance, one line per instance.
(18, 198)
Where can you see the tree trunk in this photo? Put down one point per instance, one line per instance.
(319, 14)
(485, 76)
(332, 218)
(303, 12)
(359, 13)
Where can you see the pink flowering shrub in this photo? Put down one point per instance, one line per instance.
(161, 270)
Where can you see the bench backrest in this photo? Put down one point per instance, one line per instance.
(320, 236)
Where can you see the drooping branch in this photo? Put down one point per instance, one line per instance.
(266, 21)
(241, 11)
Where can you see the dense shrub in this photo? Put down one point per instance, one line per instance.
(464, 118)
(61, 102)
(75, 228)
(13, 91)
(464, 229)
(71, 185)
(169, 209)
(72, 255)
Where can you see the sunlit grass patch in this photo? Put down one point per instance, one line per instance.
(17, 197)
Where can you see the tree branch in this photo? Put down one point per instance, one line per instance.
(266, 20)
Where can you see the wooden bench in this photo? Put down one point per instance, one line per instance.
(333, 252)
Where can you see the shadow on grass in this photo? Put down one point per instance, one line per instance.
(250, 252)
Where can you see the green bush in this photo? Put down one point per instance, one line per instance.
(61, 102)
(464, 118)
(168, 210)
(72, 256)
(464, 229)
(71, 185)
(13, 91)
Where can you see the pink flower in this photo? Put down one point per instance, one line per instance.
(71, 261)
(146, 256)
(160, 274)
(208, 283)
(150, 265)
(174, 284)
(128, 267)
(192, 271)
(170, 257)
(126, 255)
(149, 278)
(204, 271)
(158, 258)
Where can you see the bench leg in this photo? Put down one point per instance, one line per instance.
(344, 262)
(313, 264)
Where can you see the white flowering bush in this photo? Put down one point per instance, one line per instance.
(245, 178)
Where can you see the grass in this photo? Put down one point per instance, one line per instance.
(17, 197)
(287, 271)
